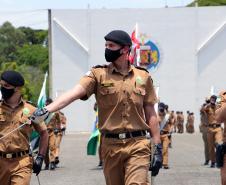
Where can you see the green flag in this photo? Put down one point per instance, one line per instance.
(34, 138)
(42, 96)
(94, 138)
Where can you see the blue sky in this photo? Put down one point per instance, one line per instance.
(33, 12)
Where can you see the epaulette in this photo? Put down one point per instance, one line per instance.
(100, 66)
(141, 68)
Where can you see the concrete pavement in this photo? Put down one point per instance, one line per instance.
(76, 168)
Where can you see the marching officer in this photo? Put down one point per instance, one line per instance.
(59, 134)
(180, 122)
(214, 134)
(190, 122)
(15, 130)
(52, 124)
(166, 127)
(204, 129)
(125, 98)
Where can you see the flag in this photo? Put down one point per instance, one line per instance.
(94, 138)
(134, 57)
(42, 96)
(212, 90)
(34, 138)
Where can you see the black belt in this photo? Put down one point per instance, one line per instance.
(214, 125)
(13, 155)
(125, 135)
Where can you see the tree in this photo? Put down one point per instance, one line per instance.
(25, 50)
(34, 36)
(9, 39)
(34, 55)
(208, 3)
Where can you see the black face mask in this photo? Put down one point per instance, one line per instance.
(7, 93)
(112, 55)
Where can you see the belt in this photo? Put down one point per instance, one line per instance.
(214, 125)
(13, 155)
(163, 132)
(126, 135)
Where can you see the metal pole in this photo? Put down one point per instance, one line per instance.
(50, 52)
(38, 180)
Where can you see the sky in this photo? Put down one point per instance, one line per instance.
(33, 13)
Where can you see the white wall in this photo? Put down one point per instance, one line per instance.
(184, 75)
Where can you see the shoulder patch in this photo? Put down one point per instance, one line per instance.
(100, 66)
(141, 68)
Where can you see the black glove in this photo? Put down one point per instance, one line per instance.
(39, 115)
(63, 129)
(37, 165)
(56, 131)
(157, 160)
(220, 151)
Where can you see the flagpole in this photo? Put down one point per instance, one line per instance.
(138, 49)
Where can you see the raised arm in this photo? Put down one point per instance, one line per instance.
(76, 93)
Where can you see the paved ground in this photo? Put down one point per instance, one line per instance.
(76, 168)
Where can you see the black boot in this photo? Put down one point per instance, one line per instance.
(52, 166)
(212, 165)
(57, 160)
(46, 167)
(206, 162)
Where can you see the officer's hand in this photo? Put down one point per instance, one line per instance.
(56, 131)
(157, 160)
(37, 165)
(39, 115)
(63, 129)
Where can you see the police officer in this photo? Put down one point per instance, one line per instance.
(221, 117)
(190, 122)
(214, 134)
(204, 129)
(180, 122)
(59, 134)
(15, 162)
(52, 123)
(125, 97)
(166, 127)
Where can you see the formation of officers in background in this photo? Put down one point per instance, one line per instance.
(56, 126)
(172, 122)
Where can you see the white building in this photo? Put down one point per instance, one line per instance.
(191, 41)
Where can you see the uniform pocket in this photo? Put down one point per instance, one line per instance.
(138, 95)
(107, 96)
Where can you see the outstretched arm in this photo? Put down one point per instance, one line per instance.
(76, 93)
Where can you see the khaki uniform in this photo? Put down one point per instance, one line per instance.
(190, 124)
(204, 130)
(59, 134)
(214, 133)
(15, 163)
(164, 133)
(120, 100)
(180, 123)
(51, 126)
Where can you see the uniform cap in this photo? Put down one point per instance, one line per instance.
(213, 96)
(119, 37)
(162, 105)
(13, 78)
